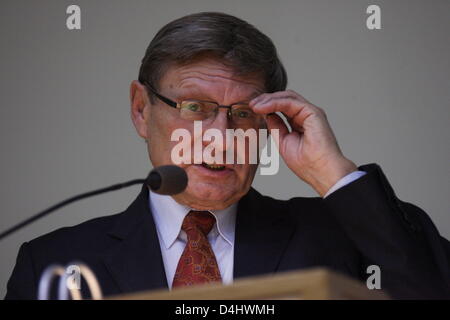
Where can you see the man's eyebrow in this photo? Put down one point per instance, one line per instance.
(199, 94)
(192, 93)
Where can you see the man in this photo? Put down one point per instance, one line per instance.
(218, 69)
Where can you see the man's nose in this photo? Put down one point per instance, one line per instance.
(221, 122)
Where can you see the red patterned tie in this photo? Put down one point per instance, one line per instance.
(197, 263)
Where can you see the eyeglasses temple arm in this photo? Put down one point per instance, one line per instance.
(171, 103)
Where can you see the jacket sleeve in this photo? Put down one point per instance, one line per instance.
(22, 283)
(397, 236)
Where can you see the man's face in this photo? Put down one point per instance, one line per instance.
(206, 79)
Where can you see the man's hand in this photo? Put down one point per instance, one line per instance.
(310, 150)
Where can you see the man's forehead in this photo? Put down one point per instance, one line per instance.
(196, 77)
(196, 89)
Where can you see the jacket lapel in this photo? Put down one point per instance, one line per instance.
(263, 230)
(135, 263)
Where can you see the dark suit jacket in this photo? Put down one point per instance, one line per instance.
(360, 224)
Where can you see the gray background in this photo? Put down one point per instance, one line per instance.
(65, 124)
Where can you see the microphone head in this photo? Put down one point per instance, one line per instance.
(168, 180)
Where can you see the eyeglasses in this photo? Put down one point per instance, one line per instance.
(198, 110)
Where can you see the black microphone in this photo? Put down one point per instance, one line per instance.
(168, 180)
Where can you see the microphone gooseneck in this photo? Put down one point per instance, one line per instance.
(168, 180)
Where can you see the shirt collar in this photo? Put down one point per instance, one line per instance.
(169, 215)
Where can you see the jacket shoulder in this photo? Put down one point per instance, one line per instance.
(309, 213)
(299, 206)
(86, 236)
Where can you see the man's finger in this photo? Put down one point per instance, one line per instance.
(274, 121)
(280, 94)
(294, 109)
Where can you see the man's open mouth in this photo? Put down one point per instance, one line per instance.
(215, 167)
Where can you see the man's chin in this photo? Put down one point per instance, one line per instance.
(207, 199)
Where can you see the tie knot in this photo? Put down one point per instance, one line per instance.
(198, 220)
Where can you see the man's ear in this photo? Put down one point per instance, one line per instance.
(139, 104)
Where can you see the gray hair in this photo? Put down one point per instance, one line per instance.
(233, 41)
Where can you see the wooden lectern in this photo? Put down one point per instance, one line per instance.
(310, 284)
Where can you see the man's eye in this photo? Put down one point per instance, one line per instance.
(191, 106)
(243, 114)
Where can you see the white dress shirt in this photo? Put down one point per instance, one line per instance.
(344, 181)
(169, 215)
